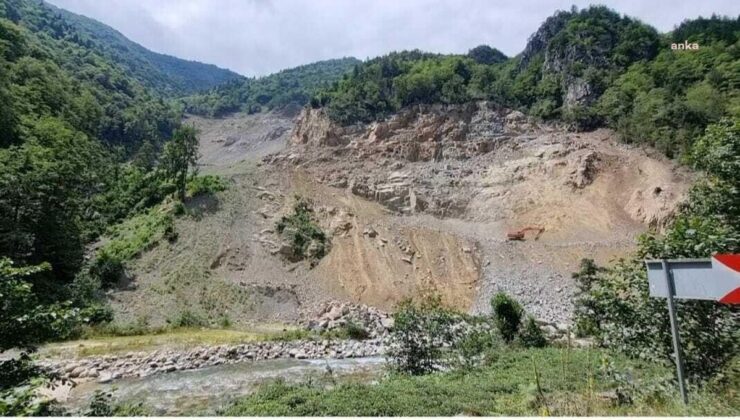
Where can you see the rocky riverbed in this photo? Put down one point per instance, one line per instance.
(141, 364)
(329, 318)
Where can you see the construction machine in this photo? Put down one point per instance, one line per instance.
(518, 235)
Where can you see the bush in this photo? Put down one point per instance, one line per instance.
(102, 405)
(419, 332)
(507, 314)
(188, 318)
(531, 335)
(476, 348)
(632, 322)
(355, 331)
(138, 327)
(587, 318)
(205, 184)
(306, 238)
(107, 268)
(97, 314)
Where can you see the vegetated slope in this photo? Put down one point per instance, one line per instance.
(63, 109)
(590, 68)
(293, 86)
(165, 74)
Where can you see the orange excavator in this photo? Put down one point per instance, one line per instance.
(518, 235)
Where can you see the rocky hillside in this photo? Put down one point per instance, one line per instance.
(414, 204)
(474, 172)
(482, 163)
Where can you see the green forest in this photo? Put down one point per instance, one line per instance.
(621, 74)
(294, 86)
(167, 75)
(84, 146)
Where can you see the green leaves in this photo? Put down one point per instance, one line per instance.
(293, 86)
(179, 156)
(718, 151)
(304, 235)
(507, 314)
(24, 321)
(614, 302)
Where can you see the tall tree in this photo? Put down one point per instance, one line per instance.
(180, 155)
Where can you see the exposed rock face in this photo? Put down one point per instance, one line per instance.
(425, 133)
(444, 160)
(316, 128)
(539, 40)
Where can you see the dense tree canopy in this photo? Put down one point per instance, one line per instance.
(483, 54)
(293, 86)
(589, 68)
(167, 75)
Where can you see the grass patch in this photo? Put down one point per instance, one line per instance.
(135, 235)
(518, 382)
(139, 336)
(165, 338)
(346, 332)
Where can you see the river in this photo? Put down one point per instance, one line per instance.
(203, 391)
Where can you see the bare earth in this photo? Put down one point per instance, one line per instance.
(417, 204)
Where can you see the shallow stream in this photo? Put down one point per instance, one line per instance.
(203, 391)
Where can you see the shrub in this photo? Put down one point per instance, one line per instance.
(306, 238)
(97, 314)
(290, 335)
(188, 318)
(102, 405)
(205, 184)
(632, 322)
(355, 331)
(475, 348)
(586, 316)
(224, 321)
(420, 333)
(507, 314)
(531, 335)
(107, 268)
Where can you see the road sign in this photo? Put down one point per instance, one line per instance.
(716, 279)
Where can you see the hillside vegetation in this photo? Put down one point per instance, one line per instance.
(288, 87)
(167, 75)
(84, 146)
(589, 68)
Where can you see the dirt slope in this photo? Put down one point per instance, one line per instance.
(416, 204)
(476, 171)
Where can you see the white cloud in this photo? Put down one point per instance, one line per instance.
(257, 37)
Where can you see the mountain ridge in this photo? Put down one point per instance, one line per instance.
(168, 75)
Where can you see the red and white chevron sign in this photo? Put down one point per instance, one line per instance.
(715, 279)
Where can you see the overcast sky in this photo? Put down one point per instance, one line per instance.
(258, 37)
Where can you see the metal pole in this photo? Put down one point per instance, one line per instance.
(674, 332)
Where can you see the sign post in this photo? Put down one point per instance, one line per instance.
(716, 279)
(674, 332)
